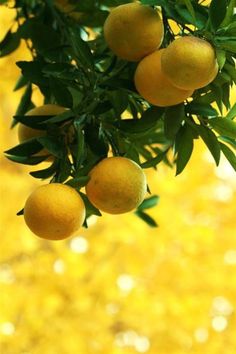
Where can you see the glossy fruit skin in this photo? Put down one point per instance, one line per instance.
(189, 63)
(117, 185)
(133, 31)
(54, 211)
(153, 85)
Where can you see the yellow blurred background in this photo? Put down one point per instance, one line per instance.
(119, 286)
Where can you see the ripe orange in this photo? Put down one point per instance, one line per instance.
(189, 63)
(25, 133)
(117, 185)
(133, 31)
(154, 86)
(54, 211)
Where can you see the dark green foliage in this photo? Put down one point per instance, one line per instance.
(105, 113)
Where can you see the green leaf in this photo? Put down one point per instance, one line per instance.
(28, 148)
(45, 173)
(153, 2)
(119, 100)
(190, 8)
(199, 20)
(183, 147)
(229, 154)
(231, 142)
(173, 119)
(229, 13)
(148, 120)
(25, 102)
(217, 12)
(36, 123)
(221, 57)
(232, 113)
(20, 212)
(10, 42)
(21, 82)
(146, 218)
(149, 203)
(226, 94)
(41, 122)
(61, 93)
(155, 160)
(32, 71)
(80, 47)
(231, 70)
(78, 182)
(62, 117)
(53, 145)
(80, 146)
(25, 160)
(224, 126)
(61, 71)
(211, 142)
(44, 37)
(202, 109)
(83, 6)
(114, 2)
(64, 169)
(90, 208)
(94, 18)
(95, 139)
(231, 28)
(218, 94)
(228, 45)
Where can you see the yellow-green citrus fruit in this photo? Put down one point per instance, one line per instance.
(117, 185)
(189, 63)
(154, 86)
(133, 31)
(25, 133)
(54, 211)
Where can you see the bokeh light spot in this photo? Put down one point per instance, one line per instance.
(201, 335)
(125, 282)
(6, 274)
(221, 306)
(59, 266)
(230, 257)
(219, 323)
(79, 244)
(7, 328)
(142, 344)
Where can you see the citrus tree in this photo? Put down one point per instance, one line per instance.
(138, 81)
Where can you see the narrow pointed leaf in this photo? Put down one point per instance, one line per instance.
(211, 142)
(149, 203)
(173, 119)
(183, 147)
(146, 218)
(229, 154)
(224, 126)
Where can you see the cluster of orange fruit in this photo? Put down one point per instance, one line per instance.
(56, 211)
(167, 76)
(163, 77)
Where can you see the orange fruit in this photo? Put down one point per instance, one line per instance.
(117, 185)
(189, 63)
(54, 211)
(154, 86)
(133, 31)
